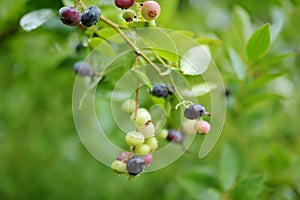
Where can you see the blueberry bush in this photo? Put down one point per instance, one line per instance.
(140, 99)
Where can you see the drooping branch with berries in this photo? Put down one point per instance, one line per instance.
(167, 65)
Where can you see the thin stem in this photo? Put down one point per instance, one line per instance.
(129, 42)
(136, 100)
(175, 88)
(140, 53)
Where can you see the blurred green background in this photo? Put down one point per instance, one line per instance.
(257, 155)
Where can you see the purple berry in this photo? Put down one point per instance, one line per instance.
(194, 111)
(69, 16)
(83, 69)
(124, 4)
(135, 165)
(90, 16)
(175, 136)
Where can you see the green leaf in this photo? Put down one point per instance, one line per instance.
(248, 188)
(228, 167)
(199, 89)
(139, 24)
(242, 22)
(91, 2)
(102, 46)
(278, 20)
(170, 56)
(237, 64)
(169, 8)
(208, 41)
(259, 43)
(143, 78)
(36, 18)
(68, 2)
(110, 34)
(196, 60)
(257, 83)
(198, 182)
(160, 42)
(256, 98)
(214, 194)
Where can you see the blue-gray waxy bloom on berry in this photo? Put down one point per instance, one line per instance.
(194, 111)
(90, 16)
(135, 165)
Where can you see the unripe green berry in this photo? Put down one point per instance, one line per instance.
(202, 127)
(152, 142)
(143, 118)
(188, 126)
(129, 106)
(150, 10)
(140, 110)
(163, 134)
(129, 15)
(134, 138)
(148, 131)
(118, 167)
(142, 149)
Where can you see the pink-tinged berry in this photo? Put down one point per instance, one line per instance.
(124, 4)
(148, 159)
(202, 127)
(69, 16)
(150, 10)
(148, 131)
(124, 156)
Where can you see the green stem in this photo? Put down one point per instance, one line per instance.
(140, 53)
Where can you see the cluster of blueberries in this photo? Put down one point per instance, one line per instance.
(143, 140)
(72, 17)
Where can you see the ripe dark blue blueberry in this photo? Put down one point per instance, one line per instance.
(175, 136)
(135, 165)
(69, 16)
(90, 16)
(194, 111)
(83, 69)
(160, 90)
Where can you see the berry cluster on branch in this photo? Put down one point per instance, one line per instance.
(143, 140)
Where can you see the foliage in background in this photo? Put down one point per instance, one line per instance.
(256, 157)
